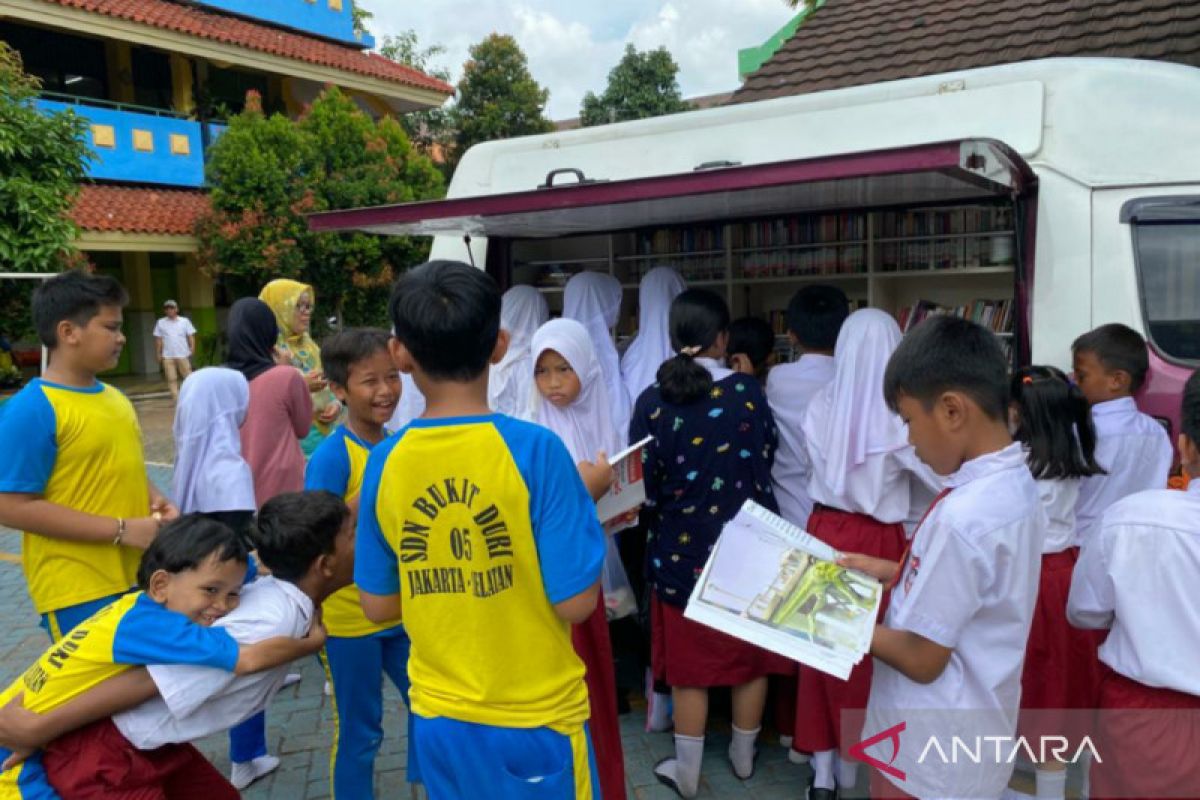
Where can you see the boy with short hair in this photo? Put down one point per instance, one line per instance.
(751, 348)
(1110, 365)
(174, 343)
(74, 479)
(949, 653)
(359, 652)
(1133, 578)
(479, 529)
(814, 317)
(190, 576)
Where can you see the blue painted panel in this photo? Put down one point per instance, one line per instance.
(306, 16)
(122, 162)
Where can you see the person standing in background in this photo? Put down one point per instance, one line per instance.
(292, 303)
(523, 310)
(652, 345)
(174, 343)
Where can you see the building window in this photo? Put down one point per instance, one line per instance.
(1167, 249)
(65, 64)
(152, 79)
(224, 93)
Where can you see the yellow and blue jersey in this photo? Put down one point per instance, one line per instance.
(337, 466)
(79, 448)
(482, 524)
(133, 631)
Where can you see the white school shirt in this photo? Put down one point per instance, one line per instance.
(1058, 502)
(970, 585)
(790, 388)
(1136, 453)
(880, 487)
(174, 333)
(195, 702)
(1137, 576)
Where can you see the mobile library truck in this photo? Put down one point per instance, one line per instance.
(1040, 198)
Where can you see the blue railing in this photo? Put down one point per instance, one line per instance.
(139, 144)
(330, 19)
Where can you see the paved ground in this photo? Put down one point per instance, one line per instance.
(300, 719)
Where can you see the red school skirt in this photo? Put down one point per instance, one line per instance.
(594, 648)
(821, 698)
(96, 762)
(687, 654)
(1061, 668)
(1147, 740)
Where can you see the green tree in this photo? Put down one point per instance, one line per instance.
(497, 97)
(641, 85)
(432, 128)
(42, 159)
(266, 173)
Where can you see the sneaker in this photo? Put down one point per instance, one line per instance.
(796, 757)
(785, 742)
(245, 773)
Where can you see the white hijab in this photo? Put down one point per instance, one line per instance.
(523, 310)
(594, 299)
(849, 420)
(586, 425)
(210, 473)
(652, 346)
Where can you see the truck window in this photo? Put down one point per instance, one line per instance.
(1168, 259)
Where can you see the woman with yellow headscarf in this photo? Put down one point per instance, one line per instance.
(293, 304)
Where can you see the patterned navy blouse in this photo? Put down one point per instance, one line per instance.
(706, 460)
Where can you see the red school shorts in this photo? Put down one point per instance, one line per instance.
(821, 698)
(96, 762)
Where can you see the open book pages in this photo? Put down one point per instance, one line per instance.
(772, 584)
(629, 490)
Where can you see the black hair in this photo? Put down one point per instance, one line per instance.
(341, 351)
(188, 542)
(1189, 414)
(696, 319)
(753, 338)
(949, 354)
(815, 316)
(294, 529)
(1055, 423)
(75, 296)
(447, 314)
(1117, 347)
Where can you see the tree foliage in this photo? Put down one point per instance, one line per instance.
(42, 161)
(641, 85)
(497, 96)
(267, 172)
(433, 128)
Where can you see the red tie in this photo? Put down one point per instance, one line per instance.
(908, 548)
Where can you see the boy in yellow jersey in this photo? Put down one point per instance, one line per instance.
(190, 577)
(359, 652)
(73, 478)
(477, 529)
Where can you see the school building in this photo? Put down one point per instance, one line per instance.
(155, 79)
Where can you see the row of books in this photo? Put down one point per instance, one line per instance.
(896, 224)
(681, 240)
(690, 268)
(848, 260)
(808, 229)
(985, 251)
(995, 315)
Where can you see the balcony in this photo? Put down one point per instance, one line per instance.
(329, 19)
(138, 144)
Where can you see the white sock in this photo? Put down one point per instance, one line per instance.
(847, 771)
(822, 764)
(742, 750)
(684, 768)
(658, 712)
(1051, 784)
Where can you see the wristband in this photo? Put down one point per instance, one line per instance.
(120, 531)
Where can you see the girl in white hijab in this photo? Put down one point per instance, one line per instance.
(863, 469)
(523, 310)
(211, 476)
(594, 299)
(652, 346)
(571, 399)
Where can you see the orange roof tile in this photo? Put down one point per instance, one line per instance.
(138, 209)
(205, 24)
